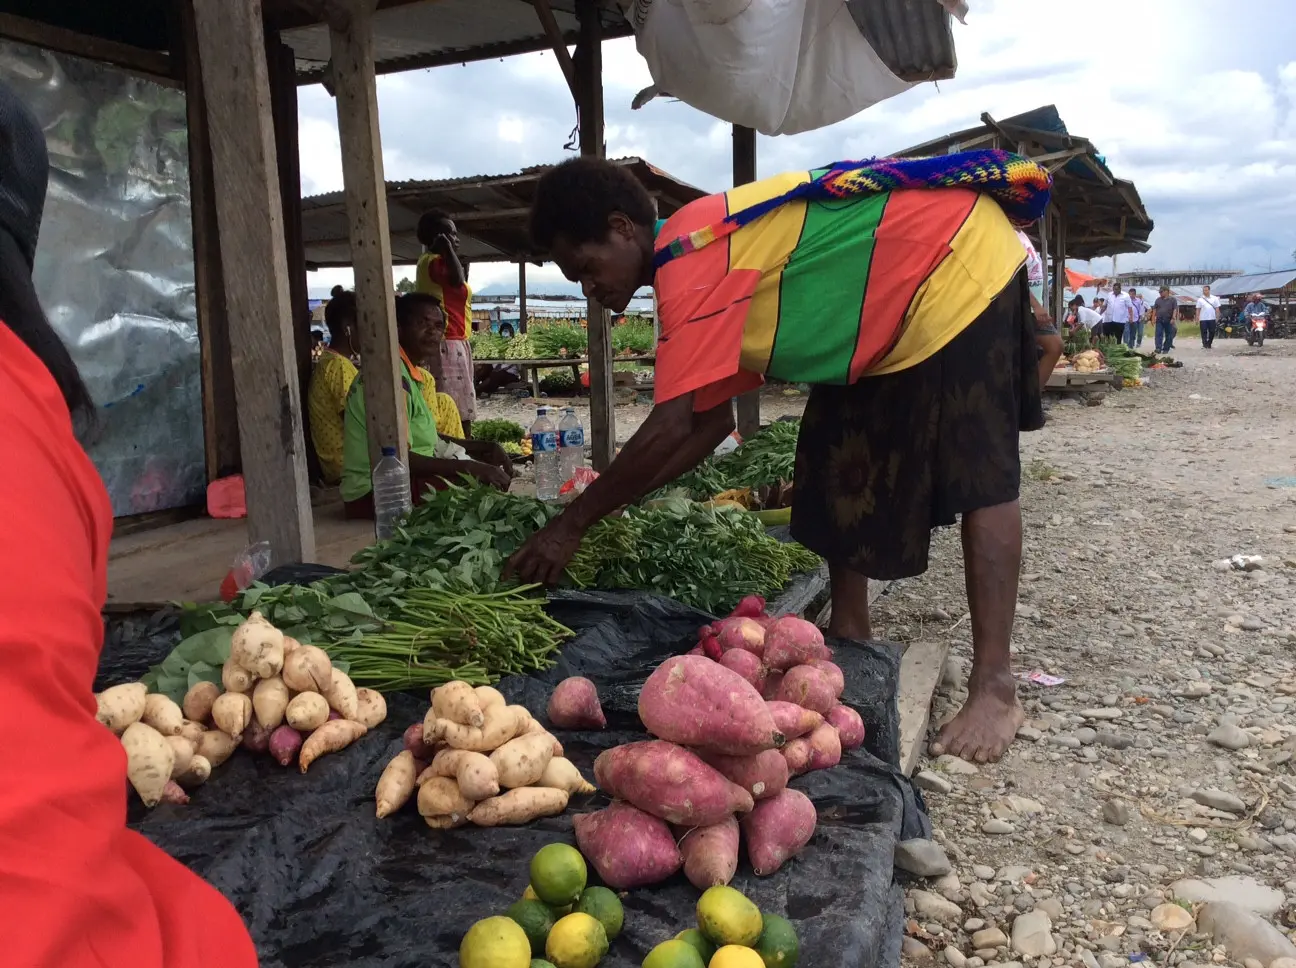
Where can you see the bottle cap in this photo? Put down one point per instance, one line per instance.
(389, 451)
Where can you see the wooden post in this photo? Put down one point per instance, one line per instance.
(356, 91)
(231, 49)
(1059, 265)
(589, 82)
(522, 306)
(1045, 223)
(744, 171)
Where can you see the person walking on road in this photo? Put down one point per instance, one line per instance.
(1119, 315)
(1208, 316)
(1140, 309)
(1165, 312)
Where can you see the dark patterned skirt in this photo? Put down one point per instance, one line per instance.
(882, 462)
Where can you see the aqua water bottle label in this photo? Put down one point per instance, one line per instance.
(544, 442)
(574, 437)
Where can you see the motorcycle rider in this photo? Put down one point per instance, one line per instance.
(1255, 309)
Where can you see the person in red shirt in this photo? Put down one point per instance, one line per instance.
(77, 888)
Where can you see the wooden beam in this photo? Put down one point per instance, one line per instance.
(157, 65)
(558, 43)
(231, 49)
(589, 104)
(351, 34)
(744, 172)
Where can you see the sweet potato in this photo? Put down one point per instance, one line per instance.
(215, 747)
(413, 741)
(184, 752)
(120, 706)
(773, 682)
(270, 700)
(849, 725)
(711, 853)
(807, 686)
(752, 606)
(763, 775)
(825, 748)
(669, 782)
(396, 785)
(284, 744)
(628, 848)
(792, 720)
(696, 702)
(458, 702)
(173, 792)
(441, 797)
(746, 664)
(341, 695)
(290, 645)
(308, 669)
(149, 759)
(519, 806)
(231, 712)
(522, 761)
(488, 696)
(792, 641)
(235, 678)
(535, 727)
(192, 731)
(256, 738)
(575, 705)
(476, 773)
(329, 738)
(198, 701)
(371, 707)
(561, 774)
(307, 711)
(257, 646)
(501, 724)
(162, 714)
(834, 674)
(740, 633)
(197, 774)
(797, 753)
(778, 829)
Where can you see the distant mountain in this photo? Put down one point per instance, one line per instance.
(541, 290)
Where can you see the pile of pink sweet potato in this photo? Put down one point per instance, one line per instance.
(754, 704)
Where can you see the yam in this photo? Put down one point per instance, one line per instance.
(778, 829)
(825, 748)
(792, 720)
(308, 669)
(192, 731)
(834, 674)
(763, 775)
(284, 744)
(440, 796)
(476, 773)
(740, 633)
(575, 705)
(457, 701)
(519, 806)
(257, 646)
(149, 759)
(396, 785)
(562, 774)
(502, 723)
(184, 753)
(522, 761)
(216, 747)
(120, 706)
(307, 711)
(696, 702)
(162, 713)
(329, 738)
(256, 738)
(413, 741)
(711, 853)
(341, 695)
(197, 774)
(849, 725)
(231, 712)
(173, 792)
(235, 678)
(198, 701)
(371, 707)
(746, 664)
(270, 699)
(669, 782)
(628, 848)
(792, 641)
(807, 686)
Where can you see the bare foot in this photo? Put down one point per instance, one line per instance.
(986, 725)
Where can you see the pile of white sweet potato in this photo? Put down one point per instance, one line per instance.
(279, 696)
(724, 751)
(476, 759)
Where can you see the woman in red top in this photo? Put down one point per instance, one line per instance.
(77, 888)
(441, 274)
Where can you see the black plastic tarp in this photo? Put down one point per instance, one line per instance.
(322, 883)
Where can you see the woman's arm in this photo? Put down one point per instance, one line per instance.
(424, 468)
(454, 270)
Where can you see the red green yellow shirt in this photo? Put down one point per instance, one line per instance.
(433, 277)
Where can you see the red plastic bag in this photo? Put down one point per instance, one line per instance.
(581, 479)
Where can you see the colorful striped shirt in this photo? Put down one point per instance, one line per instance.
(824, 291)
(433, 277)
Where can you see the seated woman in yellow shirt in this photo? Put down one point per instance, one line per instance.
(330, 383)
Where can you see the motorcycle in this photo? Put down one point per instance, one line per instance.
(1257, 326)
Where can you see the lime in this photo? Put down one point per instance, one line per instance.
(699, 941)
(558, 874)
(559, 910)
(603, 905)
(576, 941)
(727, 917)
(778, 945)
(541, 963)
(495, 943)
(735, 956)
(674, 954)
(535, 918)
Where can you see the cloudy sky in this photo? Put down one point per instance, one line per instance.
(1192, 100)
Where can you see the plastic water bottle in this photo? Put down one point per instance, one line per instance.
(571, 444)
(544, 453)
(391, 493)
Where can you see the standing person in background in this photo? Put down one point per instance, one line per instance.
(330, 382)
(1085, 318)
(1140, 307)
(78, 889)
(1208, 316)
(1046, 334)
(442, 274)
(1165, 311)
(1119, 315)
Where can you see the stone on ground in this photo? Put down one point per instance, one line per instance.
(1244, 934)
(925, 858)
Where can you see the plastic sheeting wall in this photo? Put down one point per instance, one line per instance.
(115, 267)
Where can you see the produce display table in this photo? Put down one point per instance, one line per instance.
(533, 367)
(1075, 380)
(322, 883)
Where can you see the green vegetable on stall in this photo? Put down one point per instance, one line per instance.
(498, 430)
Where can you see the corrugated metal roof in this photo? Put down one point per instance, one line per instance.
(1261, 282)
(914, 38)
(490, 212)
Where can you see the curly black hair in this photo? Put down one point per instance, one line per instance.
(430, 225)
(576, 199)
(407, 304)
